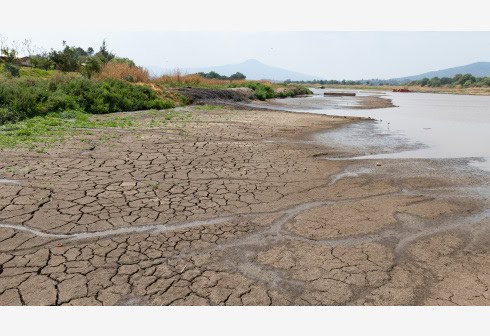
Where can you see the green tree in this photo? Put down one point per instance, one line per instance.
(67, 59)
(124, 60)
(90, 67)
(104, 54)
(238, 76)
(8, 54)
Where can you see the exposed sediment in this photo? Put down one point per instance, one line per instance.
(238, 208)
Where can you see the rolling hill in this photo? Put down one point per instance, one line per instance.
(479, 69)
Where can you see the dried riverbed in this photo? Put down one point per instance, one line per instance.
(238, 207)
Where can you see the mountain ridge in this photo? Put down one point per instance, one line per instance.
(477, 69)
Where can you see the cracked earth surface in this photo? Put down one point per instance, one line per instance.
(238, 207)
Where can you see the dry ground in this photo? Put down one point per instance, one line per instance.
(236, 208)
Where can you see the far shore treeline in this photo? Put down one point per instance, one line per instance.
(458, 81)
(37, 83)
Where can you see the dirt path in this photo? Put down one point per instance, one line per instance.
(237, 207)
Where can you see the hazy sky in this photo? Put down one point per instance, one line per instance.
(331, 55)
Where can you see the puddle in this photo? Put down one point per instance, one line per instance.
(349, 173)
(12, 182)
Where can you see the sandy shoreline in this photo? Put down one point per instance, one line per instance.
(238, 207)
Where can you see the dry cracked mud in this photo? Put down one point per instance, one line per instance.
(237, 207)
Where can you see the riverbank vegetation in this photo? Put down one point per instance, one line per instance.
(458, 81)
(36, 83)
(459, 84)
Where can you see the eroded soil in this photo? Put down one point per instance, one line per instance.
(237, 208)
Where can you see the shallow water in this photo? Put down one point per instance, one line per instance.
(423, 125)
(6, 181)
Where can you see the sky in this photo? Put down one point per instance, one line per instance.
(353, 39)
(330, 55)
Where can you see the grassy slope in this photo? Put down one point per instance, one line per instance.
(32, 72)
(40, 132)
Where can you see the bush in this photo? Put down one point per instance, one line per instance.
(11, 69)
(26, 98)
(7, 116)
(261, 90)
(42, 62)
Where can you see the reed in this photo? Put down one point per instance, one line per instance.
(123, 71)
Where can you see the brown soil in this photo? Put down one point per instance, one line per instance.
(210, 96)
(237, 208)
(373, 101)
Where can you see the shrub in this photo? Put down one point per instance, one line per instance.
(7, 116)
(262, 91)
(26, 98)
(11, 69)
(42, 61)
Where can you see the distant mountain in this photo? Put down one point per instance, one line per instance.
(251, 68)
(479, 69)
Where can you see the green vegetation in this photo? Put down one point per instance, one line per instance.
(458, 81)
(39, 132)
(43, 86)
(263, 91)
(462, 81)
(45, 130)
(215, 75)
(26, 98)
(73, 59)
(292, 90)
(208, 107)
(38, 73)
(68, 59)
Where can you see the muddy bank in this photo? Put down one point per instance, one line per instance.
(319, 102)
(244, 97)
(215, 96)
(238, 207)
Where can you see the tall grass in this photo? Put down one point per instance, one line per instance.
(263, 89)
(178, 79)
(123, 71)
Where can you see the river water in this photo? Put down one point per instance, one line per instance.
(423, 125)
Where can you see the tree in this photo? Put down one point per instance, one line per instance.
(3, 41)
(8, 57)
(66, 60)
(9, 54)
(124, 60)
(42, 61)
(28, 47)
(104, 54)
(213, 74)
(90, 67)
(72, 58)
(237, 76)
(435, 82)
(424, 81)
